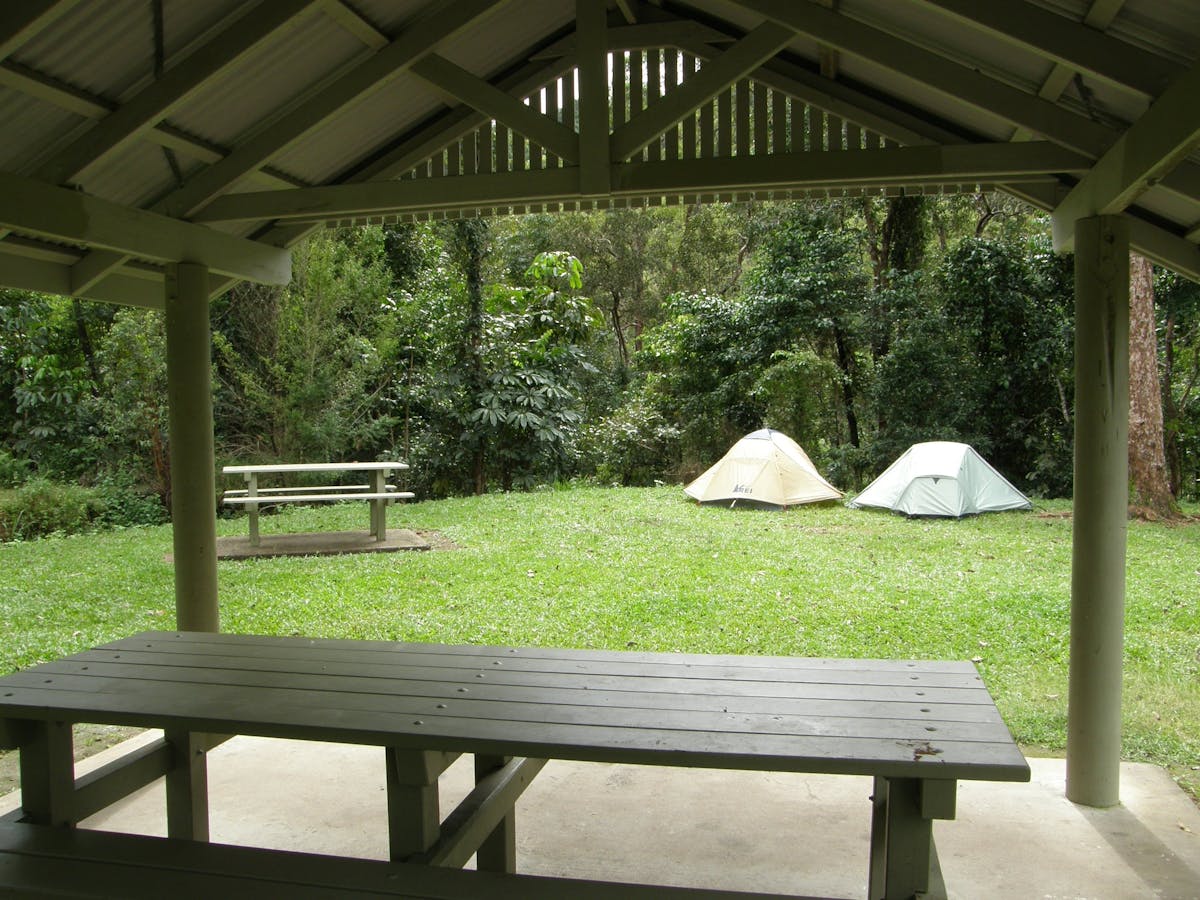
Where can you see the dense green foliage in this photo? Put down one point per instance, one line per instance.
(647, 569)
(629, 346)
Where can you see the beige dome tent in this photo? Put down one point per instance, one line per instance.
(941, 478)
(765, 468)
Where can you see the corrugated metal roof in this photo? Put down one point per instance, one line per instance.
(101, 53)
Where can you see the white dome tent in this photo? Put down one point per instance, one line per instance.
(941, 478)
(765, 468)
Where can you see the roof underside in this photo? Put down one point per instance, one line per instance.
(141, 132)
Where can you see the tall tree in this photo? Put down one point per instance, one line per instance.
(1151, 492)
(469, 247)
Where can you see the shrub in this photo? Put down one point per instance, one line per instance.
(42, 507)
(13, 470)
(120, 504)
(633, 446)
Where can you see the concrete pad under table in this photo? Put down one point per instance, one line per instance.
(319, 543)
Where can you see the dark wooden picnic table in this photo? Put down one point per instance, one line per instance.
(916, 727)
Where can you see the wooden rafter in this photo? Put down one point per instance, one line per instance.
(159, 98)
(35, 208)
(1078, 47)
(1152, 147)
(21, 22)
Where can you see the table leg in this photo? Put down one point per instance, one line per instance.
(252, 508)
(902, 849)
(414, 814)
(187, 786)
(48, 774)
(498, 852)
(379, 507)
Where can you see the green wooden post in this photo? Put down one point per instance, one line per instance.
(48, 775)
(1100, 509)
(193, 478)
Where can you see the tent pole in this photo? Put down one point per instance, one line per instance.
(193, 467)
(1100, 510)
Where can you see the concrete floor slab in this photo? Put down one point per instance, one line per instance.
(321, 543)
(751, 831)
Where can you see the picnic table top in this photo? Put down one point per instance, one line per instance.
(314, 467)
(916, 719)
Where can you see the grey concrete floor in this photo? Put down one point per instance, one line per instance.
(788, 833)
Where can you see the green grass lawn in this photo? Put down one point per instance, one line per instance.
(647, 569)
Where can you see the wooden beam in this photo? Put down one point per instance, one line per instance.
(30, 274)
(32, 207)
(646, 36)
(842, 100)
(419, 40)
(1176, 252)
(93, 267)
(1077, 46)
(1098, 17)
(72, 99)
(591, 23)
(21, 22)
(179, 83)
(955, 81)
(739, 60)
(460, 85)
(479, 813)
(381, 197)
(1141, 157)
(355, 24)
(960, 83)
(926, 164)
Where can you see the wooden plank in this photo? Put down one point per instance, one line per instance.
(838, 701)
(797, 112)
(779, 125)
(265, 491)
(273, 499)
(673, 135)
(349, 649)
(688, 125)
(225, 709)
(639, 677)
(527, 703)
(314, 467)
(743, 134)
(76, 862)
(654, 92)
(474, 820)
(121, 777)
(759, 113)
(637, 84)
(661, 708)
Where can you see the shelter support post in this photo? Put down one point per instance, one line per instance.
(1100, 509)
(193, 465)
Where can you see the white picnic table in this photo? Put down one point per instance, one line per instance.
(377, 492)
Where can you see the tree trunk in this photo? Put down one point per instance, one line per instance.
(1151, 493)
(846, 365)
(471, 237)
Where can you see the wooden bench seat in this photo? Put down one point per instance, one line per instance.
(41, 861)
(262, 499)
